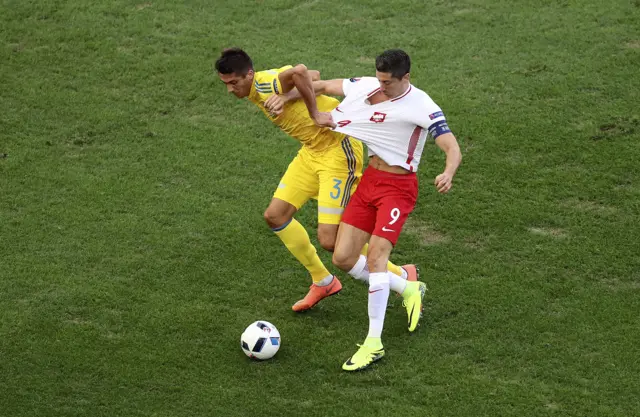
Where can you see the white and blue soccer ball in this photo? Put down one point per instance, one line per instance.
(261, 340)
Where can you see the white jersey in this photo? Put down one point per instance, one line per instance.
(396, 129)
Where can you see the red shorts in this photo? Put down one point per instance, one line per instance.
(382, 202)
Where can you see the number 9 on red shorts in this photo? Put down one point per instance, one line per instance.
(382, 202)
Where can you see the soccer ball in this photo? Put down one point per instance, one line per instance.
(261, 340)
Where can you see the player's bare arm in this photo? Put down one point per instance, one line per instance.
(275, 102)
(329, 87)
(448, 143)
(300, 78)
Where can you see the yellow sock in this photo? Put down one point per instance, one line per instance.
(296, 239)
(391, 267)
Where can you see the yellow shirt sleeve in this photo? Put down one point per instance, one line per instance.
(295, 120)
(267, 82)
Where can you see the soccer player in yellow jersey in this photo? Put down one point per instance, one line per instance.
(328, 167)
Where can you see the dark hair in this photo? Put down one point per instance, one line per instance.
(394, 61)
(234, 60)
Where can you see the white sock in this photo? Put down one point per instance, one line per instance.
(325, 281)
(360, 271)
(378, 297)
(396, 283)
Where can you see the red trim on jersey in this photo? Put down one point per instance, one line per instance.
(373, 92)
(413, 142)
(407, 92)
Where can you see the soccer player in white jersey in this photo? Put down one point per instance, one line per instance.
(394, 119)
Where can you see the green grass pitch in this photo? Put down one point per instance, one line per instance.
(133, 251)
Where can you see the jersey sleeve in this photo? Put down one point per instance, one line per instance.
(268, 82)
(348, 85)
(432, 118)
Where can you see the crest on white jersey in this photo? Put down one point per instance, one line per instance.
(378, 117)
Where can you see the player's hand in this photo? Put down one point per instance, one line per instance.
(324, 120)
(275, 104)
(443, 182)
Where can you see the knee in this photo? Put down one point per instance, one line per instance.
(327, 244)
(343, 260)
(327, 240)
(275, 218)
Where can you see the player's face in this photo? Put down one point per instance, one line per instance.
(391, 86)
(239, 85)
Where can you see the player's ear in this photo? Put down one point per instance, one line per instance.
(249, 74)
(406, 77)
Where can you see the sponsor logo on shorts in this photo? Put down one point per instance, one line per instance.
(384, 229)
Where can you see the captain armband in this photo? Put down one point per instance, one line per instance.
(439, 128)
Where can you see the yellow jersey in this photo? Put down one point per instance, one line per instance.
(295, 119)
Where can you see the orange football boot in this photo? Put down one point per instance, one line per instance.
(317, 293)
(413, 272)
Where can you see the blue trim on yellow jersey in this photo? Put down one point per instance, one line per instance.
(264, 88)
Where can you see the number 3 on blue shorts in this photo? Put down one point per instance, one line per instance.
(336, 194)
